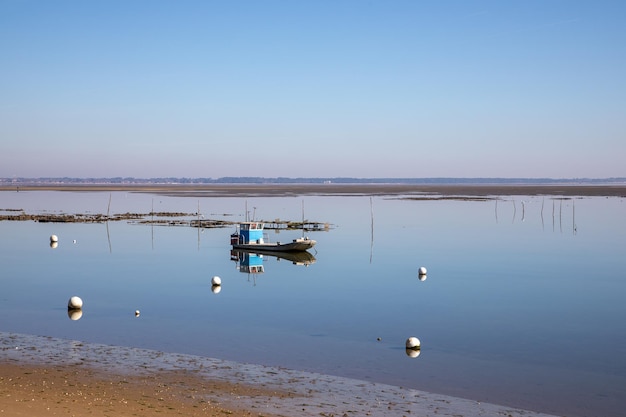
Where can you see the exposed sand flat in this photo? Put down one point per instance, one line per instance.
(43, 376)
(233, 190)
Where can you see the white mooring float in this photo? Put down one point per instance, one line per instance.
(413, 343)
(75, 303)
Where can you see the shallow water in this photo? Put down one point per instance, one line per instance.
(522, 304)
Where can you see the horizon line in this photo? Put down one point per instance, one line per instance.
(322, 180)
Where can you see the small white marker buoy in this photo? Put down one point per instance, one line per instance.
(75, 303)
(413, 343)
(216, 280)
(422, 270)
(137, 313)
(74, 241)
(54, 238)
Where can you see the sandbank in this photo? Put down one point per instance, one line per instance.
(269, 190)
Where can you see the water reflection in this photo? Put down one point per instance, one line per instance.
(248, 262)
(516, 286)
(74, 314)
(251, 262)
(412, 353)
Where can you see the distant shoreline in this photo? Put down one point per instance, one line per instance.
(332, 189)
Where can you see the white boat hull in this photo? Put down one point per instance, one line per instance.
(297, 245)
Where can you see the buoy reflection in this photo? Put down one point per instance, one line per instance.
(74, 314)
(412, 353)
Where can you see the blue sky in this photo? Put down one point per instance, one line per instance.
(533, 88)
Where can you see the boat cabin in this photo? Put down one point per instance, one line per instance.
(249, 232)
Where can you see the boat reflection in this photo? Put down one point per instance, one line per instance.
(251, 262)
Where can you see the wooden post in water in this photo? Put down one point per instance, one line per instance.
(561, 216)
(542, 203)
(372, 231)
(496, 210)
(107, 223)
(514, 211)
(574, 228)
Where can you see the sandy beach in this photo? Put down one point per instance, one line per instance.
(32, 390)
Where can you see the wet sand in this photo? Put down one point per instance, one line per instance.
(44, 376)
(31, 390)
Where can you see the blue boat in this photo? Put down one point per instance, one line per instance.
(249, 236)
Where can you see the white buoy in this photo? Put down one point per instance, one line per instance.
(54, 238)
(137, 313)
(422, 270)
(216, 280)
(75, 303)
(74, 241)
(413, 343)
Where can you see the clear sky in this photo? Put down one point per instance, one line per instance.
(338, 88)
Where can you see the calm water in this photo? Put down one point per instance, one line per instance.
(523, 303)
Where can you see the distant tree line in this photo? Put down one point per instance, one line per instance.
(301, 180)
